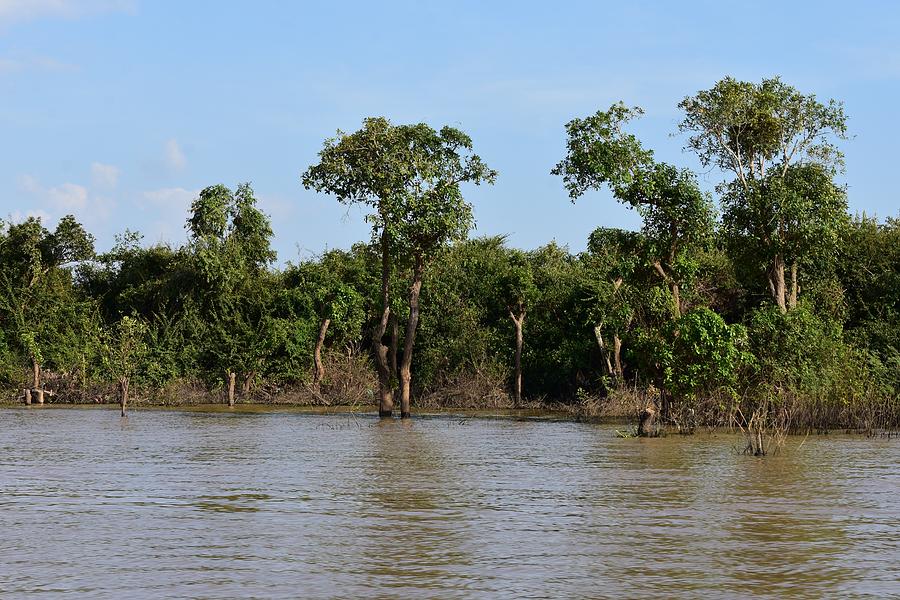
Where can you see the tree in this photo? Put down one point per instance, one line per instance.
(869, 275)
(462, 346)
(561, 350)
(229, 251)
(792, 217)
(410, 176)
(125, 351)
(678, 219)
(37, 298)
(337, 305)
(612, 260)
(518, 287)
(758, 132)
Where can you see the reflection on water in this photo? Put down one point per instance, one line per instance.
(193, 504)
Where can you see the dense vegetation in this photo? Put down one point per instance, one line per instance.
(768, 302)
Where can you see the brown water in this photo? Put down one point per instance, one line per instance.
(292, 505)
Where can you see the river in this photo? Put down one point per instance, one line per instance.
(292, 504)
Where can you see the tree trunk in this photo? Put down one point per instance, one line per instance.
(409, 339)
(393, 350)
(518, 321)
(28, 396)
(123, 393)
(776, 282)
(35, 373)
(230, 375)
(319, 373)
(617, 358)
(673, 286)
(39, 394)
(385, 379)
(795, 287)
(248, 381)
(598, 333)
(648, 425)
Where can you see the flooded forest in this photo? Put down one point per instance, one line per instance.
(763, 303)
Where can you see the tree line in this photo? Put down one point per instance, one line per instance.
(766, 298)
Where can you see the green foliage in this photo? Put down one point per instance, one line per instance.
(802, 354)
(517, 281)
(782, 206)
(410, 176)
(746, 128)
(678, 219)
(46, 320)
(704, 355)
(798, 214)
(868, 272)
(125, 347)
(602, 318)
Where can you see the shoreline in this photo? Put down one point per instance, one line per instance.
(371, 412)
(278, 408)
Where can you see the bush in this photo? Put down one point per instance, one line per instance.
(704, 355)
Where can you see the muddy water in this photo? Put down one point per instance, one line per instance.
(291, 505)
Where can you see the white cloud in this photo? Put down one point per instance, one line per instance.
(19, 216)
(67, 198)
(106, 176)
(170, 198)
(174, 156)
(14, 11)
(29, 184)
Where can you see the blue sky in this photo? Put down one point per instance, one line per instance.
(119, 111)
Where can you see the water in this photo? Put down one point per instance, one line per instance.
(193, 504)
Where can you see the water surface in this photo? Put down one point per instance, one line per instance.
(195, 504)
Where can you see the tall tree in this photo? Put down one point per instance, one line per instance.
(757, 132)
(229, 252)
(792, 218)
(678, 218)
(517, 284)
(410, 176)
(37, 299)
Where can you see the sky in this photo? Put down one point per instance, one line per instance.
(120, 111)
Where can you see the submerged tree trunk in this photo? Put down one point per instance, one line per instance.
(518, 321)
(409, 339)
(319, 373)
(230, 377)
(385, 379)
(795, 287)
(648, 426)
(123, 393)
(776, 282)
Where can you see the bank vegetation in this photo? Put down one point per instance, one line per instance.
(763, 305)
